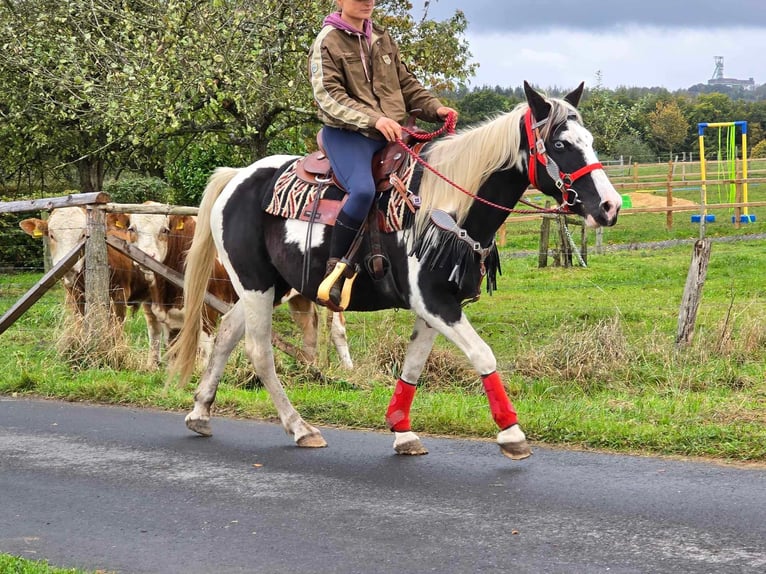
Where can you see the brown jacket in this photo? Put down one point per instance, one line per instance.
(354, 95)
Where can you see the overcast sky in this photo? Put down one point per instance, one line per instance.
(668, 43)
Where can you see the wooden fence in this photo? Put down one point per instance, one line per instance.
(93, 248)
(635, 183)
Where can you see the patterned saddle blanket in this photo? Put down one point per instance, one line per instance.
(296, 198)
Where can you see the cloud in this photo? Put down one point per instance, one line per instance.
(651, 43)
(529, 17)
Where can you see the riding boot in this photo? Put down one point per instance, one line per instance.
(343, 234)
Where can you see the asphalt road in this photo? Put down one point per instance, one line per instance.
(131, 490)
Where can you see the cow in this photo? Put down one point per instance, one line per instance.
(167, 238)
(65, 228)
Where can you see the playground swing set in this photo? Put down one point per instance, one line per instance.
(726, 168)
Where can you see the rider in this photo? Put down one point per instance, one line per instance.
(363, 92)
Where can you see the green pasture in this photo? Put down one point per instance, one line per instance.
(14, 565)
(587, 354)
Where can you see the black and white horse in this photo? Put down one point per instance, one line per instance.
(433, 265)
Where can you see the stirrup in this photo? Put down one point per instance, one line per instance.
(325, 287)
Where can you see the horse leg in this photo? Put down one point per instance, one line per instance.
(258, 308)
(339, 339)
(398, 413)
(230, 331)
(511, 438)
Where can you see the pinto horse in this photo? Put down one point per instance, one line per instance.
(475, 177)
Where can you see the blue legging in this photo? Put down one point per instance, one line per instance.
(350, 156)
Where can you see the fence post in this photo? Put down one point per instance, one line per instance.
(545, 234)
(669, 198)
(502, 234)
(97, 314)
(600, 240)
(565, 249)
(738, 195)
(695, 279)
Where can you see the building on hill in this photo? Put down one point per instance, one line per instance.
(719, 79)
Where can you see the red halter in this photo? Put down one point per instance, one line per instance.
(538, 154)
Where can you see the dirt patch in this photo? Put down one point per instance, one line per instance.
(651, 200)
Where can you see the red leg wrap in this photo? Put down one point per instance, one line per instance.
(499, 403)
(398, 413)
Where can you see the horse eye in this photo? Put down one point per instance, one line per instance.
(559, 144)
(165, 231)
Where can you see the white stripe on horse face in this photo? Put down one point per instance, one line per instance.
(577, 135)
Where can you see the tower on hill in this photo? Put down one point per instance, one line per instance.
(719, 79)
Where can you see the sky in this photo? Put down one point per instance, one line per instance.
(648, 43)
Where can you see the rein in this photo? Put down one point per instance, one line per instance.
(538, 154)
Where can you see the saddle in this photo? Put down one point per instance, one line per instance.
(315, 168)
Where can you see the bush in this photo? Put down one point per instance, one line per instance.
(17, 249)
(759, 151)
(189, 171)
(632, 148)
(138, 189)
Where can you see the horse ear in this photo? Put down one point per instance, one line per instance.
(574, 96)
(540, 108)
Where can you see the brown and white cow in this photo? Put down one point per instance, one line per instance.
(167, 238)
(65, 228)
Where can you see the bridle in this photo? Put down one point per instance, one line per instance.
(538, 154)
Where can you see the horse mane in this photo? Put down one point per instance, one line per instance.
(471, 155)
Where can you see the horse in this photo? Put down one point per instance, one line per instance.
(466, 182)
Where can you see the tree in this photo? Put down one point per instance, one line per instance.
(668, 125)
(607, 119)
(759, 150)
(94, 82)
(482, 104)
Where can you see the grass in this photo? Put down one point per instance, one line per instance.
(587, 354)
(14, 565)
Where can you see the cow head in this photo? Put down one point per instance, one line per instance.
(65, 228)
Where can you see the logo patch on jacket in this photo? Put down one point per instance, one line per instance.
(387, 59)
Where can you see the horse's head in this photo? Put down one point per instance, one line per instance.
(562, 162)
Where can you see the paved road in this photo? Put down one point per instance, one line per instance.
(132, 491)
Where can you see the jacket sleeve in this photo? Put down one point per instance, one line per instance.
(330, 92)
(415, 95)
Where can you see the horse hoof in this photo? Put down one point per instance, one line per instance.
(200, 426)
(516, 450)
(408, 443)
(312, 440)
(513, 443)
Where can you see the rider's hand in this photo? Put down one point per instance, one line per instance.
(390, 129)
(444, 111)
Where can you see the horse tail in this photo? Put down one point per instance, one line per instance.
(199, 267)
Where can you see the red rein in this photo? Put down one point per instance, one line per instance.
(537, 154)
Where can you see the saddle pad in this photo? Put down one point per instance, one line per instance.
(292, 195)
